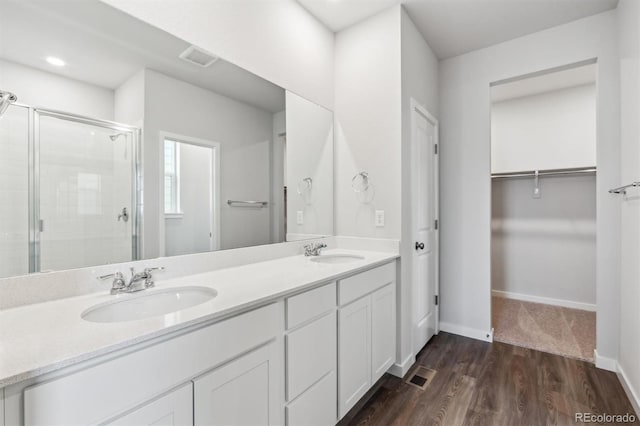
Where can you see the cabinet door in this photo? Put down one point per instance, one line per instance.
(242, 392)
(173, 409)
(354, 353)
(311, 354)
(383, 330)
(317, 406)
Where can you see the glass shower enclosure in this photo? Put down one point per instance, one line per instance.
(70, 191)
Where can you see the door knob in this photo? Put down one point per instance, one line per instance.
(419, 246)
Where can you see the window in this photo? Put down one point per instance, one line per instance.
(171, 177)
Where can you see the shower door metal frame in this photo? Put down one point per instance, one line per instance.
(34, 114)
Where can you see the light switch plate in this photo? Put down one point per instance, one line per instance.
(299, 217)
(379, 218)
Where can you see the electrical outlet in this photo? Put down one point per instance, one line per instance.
(300, 217)
(379, 218)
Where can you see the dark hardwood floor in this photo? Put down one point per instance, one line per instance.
(478, 383)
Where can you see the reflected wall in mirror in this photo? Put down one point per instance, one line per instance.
(309, 170)
(131, 144)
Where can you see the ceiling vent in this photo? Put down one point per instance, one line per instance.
(198, 56)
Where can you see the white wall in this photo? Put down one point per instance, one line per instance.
(14, 192)
(51, 91)
(629, 36)
(465, 191)
(381, 63)
(309, 155)
(545, 247)
(189, 232)
(244, 133)
(129, 101)
(420, 82)
(551, 130)
(275, 39)
(368, 124)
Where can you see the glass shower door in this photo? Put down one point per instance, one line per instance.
(86, 210)
(14, 191)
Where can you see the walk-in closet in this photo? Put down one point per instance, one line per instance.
(543, 230)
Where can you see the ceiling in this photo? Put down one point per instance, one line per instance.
(340, 14)
(547, 82)
(105, 47)
(454, 27)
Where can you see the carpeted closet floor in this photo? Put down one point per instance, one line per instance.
(552, 329)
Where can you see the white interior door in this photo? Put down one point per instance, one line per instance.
(424, 223)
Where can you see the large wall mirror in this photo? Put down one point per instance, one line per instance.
(120, 142)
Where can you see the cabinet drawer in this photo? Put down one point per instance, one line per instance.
(317, 406)
(352, 288)
(311, 353)
(310, 304)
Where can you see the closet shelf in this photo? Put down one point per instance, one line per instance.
(547, 172)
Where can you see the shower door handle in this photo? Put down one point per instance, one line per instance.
(124, 215)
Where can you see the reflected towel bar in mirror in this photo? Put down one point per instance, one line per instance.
(547, 172)
(238, 203)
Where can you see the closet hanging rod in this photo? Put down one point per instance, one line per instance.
(547, 172)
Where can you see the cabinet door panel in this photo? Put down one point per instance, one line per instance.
(383, 330)
(311, 353)
(317, 406)
(173, 409)
(242, 392)
(354, 353)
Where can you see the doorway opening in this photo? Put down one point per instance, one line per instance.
(190, 219)
(543, 227)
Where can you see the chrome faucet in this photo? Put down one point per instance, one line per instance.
(313, 249)
(138, 281)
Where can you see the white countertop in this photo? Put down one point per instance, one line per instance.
(44, 337)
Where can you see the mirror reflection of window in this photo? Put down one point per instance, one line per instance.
(171, 177)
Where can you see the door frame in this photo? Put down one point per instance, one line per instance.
(416, 107)
(214, 241)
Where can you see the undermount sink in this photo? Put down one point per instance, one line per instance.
(336, 258)
(148, 304)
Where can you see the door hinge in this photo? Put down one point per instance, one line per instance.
(436, 300)
(435, 149)
(436, 224)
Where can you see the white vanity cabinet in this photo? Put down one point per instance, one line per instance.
(367, 332)
(303, 360)
(311, 351)
(231, 360)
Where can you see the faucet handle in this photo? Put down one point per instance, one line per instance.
(118, 282)
(148, 281)
(116, 276)
(155, 268)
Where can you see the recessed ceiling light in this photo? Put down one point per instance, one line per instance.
(55, 61)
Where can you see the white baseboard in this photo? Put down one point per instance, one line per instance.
(399, 370)
(609, 364)
(474, 333)
(632, 393)
(545, 300)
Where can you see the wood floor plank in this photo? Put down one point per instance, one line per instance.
(479, 383)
